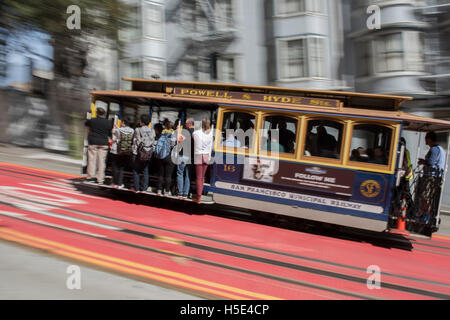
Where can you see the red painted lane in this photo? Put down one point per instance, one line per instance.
(189, 252)
(259, 236)
(439, 239)
(359, 288)
(281, 272)
(181, 266)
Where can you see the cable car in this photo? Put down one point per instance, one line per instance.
(329, 156)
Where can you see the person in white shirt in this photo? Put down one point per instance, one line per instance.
(203, 143)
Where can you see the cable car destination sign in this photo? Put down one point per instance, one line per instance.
(250, 96)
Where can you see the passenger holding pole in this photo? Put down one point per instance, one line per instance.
(121, 148)
(186, 159)
(163, 150)
(203, 143)
(435, 158)
(143, 147)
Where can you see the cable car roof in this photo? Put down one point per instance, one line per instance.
(350, 99)
(175, 94)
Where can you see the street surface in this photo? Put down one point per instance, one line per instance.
(188, 248)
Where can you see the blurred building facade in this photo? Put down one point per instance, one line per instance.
(321, 44)
(145, 45)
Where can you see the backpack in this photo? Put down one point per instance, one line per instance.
(145, 149)
(163, 146)
(125, 142)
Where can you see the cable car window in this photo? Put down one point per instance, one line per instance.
(324, 139)
(371, 143)
(113, 110)
(238, 129)
(285, 140)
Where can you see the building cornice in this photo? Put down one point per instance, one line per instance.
(390, 27)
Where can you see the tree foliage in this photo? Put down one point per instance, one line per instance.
(100, 21)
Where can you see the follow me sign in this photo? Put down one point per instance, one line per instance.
(328, 103)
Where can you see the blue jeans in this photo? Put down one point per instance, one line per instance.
(138, 167)
(183, 181)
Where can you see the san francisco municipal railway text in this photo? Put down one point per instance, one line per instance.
(227, 309)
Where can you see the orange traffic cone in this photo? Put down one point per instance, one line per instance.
(401, 222)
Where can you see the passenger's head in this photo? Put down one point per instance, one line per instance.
(126, 121)
(321, 130)
(206, 124)
(167, 124)
(282, 125)
(378, 152)
(430, 138)
(101, 113)
(231, 135)
(189, 123)
(145, 120)
(158, 128)
(403, 140)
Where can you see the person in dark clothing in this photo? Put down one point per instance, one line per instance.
(326, 143)
(379, 156)
(98, 139)
(143, 144)
(287, 137)
(186, 160)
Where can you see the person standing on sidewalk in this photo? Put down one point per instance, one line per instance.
(98, 141)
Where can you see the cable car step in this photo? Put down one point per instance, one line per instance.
(204, 200)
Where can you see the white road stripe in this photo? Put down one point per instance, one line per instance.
(24, 218)
(59, 189)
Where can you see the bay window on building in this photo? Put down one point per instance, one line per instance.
(392, 52)
(291, 7)
(133, 29)
(226, 69)
(153, 20)
(302, 57)
(223, 11)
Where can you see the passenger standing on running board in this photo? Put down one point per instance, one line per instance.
(143, 146)
(435, 159)
(186, 160)
(203, 143)
(121, 148)
(98, 140)
(163, 150)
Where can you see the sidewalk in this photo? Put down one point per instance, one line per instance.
(445, 210)
(39, 158)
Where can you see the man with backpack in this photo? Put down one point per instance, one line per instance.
(142, 151)
(122, 141)
(163, 150)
